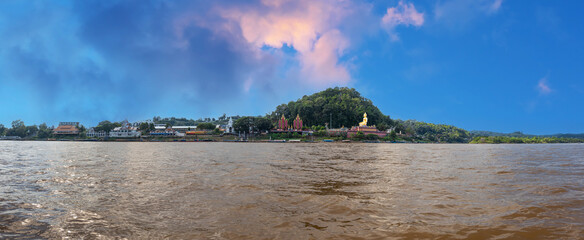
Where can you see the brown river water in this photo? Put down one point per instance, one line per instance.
(100, 190)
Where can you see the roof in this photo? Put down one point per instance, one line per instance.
(66, 129)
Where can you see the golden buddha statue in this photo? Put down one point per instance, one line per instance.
(364, 123)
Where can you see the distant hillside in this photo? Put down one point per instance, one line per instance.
(341, 106)
(523, 135)
(345, 107)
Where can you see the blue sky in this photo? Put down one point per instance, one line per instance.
(495, 65)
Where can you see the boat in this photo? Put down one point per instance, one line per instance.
(278, 141)
(294, 140)
(328, 140)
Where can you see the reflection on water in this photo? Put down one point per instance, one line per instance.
(101, 190)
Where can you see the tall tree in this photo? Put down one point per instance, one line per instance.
(263, 123)
(44, 131)
(18, 129)
(106, 126)
(244, 124)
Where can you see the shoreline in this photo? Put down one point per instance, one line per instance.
(257, 141)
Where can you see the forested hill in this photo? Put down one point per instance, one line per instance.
(341, 106)
(523, 135)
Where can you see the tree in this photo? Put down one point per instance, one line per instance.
(382, 127)
(145, 127)
(44, 131)
(207, 126)
(371, 137)
(2, 129)
(18, 129)
(17, 124)
(392, 135)
(263, 123)
(82, 131)
(243, 124)
(31, 130)
(106, 126)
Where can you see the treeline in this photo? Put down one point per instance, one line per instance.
(19, 129)
(173, 121)
(430, 132)
(523, 135)
(502, 139)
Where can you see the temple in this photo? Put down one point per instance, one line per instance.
(366, 130)
(297, 123)
(283, 123)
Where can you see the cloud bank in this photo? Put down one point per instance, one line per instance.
(132, 59)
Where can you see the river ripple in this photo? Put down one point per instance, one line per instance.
(98, 190)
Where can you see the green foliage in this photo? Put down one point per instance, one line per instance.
(172, 121)
(345, 106)
(206, 126)
(263, 124)
(145, 127)
(522, 135)
(31, 130)
(392, 136)
(106, 126)
(504, 139)
(382, 127)
(434, 132)
(359, 136)
(244, 124)
(2, 129)
(371, 137)
(44, 131)
(18, 129)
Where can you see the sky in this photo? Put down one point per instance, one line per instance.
(496, 65)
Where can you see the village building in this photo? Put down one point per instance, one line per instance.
(125, 131)
(67, 128)
(229, 127)
(163, 131)
(96, 134)
(183, 129)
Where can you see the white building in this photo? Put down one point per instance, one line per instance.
(184, 129)
(125, 131)
(229, 127)
(92, 133)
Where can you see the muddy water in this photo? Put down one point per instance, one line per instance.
(98, 190)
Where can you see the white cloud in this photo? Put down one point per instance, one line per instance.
(404, 14)
(543, 87)
(457, 14)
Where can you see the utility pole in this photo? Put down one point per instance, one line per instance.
(331, 120)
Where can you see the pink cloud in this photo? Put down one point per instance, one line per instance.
(310, 27)
(404, 14)
(543, 87)
(320, 65)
